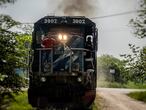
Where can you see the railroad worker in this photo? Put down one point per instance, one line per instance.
(89, 46)
(89, 43)
(48, 42)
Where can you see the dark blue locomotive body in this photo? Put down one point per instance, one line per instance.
(63, 65)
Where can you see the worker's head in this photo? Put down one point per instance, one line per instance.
(89, 39)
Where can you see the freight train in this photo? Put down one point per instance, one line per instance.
(63, 63)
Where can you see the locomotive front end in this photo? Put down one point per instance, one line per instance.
(63, 65)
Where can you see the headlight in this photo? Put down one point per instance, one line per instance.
(60, 37)
(64, 37)
(43, 79)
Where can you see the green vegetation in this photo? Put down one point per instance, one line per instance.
(131, 71)
(141, 96)
(133, 85)
(139, 22)
(105, 64)
(2, 2)
(129, 84)
(110, 84)
(20, 102)
(97, 103)
(135, 63)
(14, 55)
(128, 73)
(14, 48)
(95, 107)
(17, 102)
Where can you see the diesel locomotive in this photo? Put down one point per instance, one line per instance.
(63, 63)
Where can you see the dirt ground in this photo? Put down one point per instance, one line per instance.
(116, 99)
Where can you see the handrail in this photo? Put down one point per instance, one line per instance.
(70, 48)
(44, 49)
(82, 50)
(40, 58)
(79, 49)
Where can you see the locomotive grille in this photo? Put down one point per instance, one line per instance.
(64, 91)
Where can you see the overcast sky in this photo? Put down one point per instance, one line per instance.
(115, 32)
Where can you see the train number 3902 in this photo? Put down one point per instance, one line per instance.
(78, 21)
(54, 21)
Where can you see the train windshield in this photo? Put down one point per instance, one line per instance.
(61, 49)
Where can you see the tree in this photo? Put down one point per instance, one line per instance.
(6, 1)
(8, 59)
(13, 54)
(135, 64)
(23, 49)
(107, 62)
(139, 23)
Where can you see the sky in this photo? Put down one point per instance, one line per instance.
(115, 33)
